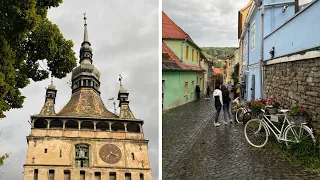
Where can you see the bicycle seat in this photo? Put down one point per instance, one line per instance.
(262, 110)
(284, 110)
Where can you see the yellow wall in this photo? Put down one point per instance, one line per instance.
(178, 47)
(55, 140)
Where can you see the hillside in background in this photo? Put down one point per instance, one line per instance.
(218, 54)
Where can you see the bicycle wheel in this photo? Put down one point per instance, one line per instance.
(256, 133)
(239, 114)
(297, 134)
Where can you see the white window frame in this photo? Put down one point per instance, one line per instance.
(253, 35)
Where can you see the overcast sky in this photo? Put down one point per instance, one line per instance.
(124, 37)
(210, 23)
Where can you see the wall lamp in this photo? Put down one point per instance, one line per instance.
(285, 8)
(272, 52)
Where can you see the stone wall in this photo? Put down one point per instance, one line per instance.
(296, 83)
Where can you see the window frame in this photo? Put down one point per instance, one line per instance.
(192, 55)
(185, 88)
(187, 52)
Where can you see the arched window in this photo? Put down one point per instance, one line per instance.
(40, 123)
(117, 126)
(82, 155)
(133, 127)
(102, 126)
(56, 124)
(87, 125)
(71, 124)
(141, 176)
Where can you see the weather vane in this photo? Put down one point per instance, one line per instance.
(120, 79)
(85, 18)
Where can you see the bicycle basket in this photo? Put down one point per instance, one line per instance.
(297, 119)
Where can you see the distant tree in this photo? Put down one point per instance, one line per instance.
(27, 40)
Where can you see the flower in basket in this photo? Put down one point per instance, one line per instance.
(296, 111)
(272, 102)
(257, 105)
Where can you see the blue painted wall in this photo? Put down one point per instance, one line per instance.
(254, 71)
(286, 31)
(254, 54)
(274, 17)
(300, 33)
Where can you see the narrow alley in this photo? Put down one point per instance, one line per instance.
(192, 148)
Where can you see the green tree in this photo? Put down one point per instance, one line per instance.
(235, 74)
(27, 39)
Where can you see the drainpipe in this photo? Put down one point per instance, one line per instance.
(247, 69)
(261, 51)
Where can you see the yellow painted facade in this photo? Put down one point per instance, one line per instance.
(228, 71)
(242, 15)
(60, 154)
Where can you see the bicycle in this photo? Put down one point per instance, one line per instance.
(257, 130)
(241, 111)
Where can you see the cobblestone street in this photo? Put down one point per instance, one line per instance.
(193, 148)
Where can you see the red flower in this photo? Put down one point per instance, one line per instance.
(301, 110)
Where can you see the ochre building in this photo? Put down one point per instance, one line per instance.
(84, 141)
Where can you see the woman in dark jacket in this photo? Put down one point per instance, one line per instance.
(226, 104)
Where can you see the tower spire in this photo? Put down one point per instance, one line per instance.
(85, 50)
(85, 38)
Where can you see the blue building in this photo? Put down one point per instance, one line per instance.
(277, 32)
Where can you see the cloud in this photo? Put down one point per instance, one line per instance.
(124, 38)
(210, 22)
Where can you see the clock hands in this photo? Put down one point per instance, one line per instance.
(116, 155)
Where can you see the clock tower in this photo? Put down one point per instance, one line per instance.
(85, 141)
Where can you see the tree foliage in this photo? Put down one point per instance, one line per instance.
(27, 40)
(218, 53)
(2, 158)
(235, 74)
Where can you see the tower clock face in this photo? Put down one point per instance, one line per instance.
(110, 153)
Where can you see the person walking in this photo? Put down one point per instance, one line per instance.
(226, 104)
(198, 91)
(217, 94)
(208, 92)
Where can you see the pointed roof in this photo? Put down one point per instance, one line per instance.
(170, 30)
(48, 107)
(86, 103)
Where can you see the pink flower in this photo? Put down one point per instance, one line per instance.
(301, 110)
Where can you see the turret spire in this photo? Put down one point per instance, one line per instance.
(51, 93)
(125, 112)
(85, 38)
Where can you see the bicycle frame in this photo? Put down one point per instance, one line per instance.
(279, 133)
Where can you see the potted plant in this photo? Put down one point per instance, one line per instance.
(297, 114)
(272, 105)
